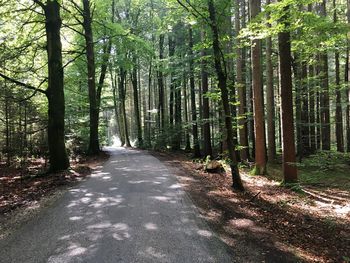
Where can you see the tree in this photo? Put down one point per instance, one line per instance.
(222, 83)
(196, 148)
(55, 91)
(285, 57)
(259, 119)
(207, 149)
(241, 87)
(324, 99)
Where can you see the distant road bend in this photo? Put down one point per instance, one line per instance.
(131, 210)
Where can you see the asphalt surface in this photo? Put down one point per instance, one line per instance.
(131, 210)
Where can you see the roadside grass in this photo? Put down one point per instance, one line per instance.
(326, 169)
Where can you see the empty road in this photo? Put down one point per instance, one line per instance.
(131, 210)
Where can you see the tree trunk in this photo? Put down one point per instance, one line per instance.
(347, 74)
(270, 101)
(207, 149)
(122, 97)
(312, 121)
(116, 107)
(55, 92)
(94, 147)
(259, 119)
(288, 160)
(339, 114)
(161, 117)
(136, 103)
(347, 112)
(187, 135)
(222, 79)
(149, 116)
(324, 107)
(172, 82)
(196, 148)
(241, 87)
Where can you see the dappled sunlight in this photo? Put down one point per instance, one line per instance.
(205, 233)
(126, 204)
(152, 253)
(328, 202)
(151, 226)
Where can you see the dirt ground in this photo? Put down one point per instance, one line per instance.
(268, 223)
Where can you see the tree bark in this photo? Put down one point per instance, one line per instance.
(136, 103)
(347, 77)
(161, 115)
(312, 120)
(55, 92)
(196, 147)
(207, 149)
(259, 118)
(94, 146)
(122, 97)
(288, 160)
(241, 87)
(338, 111)
(324, 107)
(222, 79)
(270, 101)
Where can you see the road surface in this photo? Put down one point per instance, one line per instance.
(131, 210)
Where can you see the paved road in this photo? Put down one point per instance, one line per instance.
(131, 210)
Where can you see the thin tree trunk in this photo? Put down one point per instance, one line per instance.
(339, 114)
(187, 135)
(270, 101)
(122, 96)
(241, 87)
(149, 116)
(347, 77)
(161, 119)
(116, 108)
(222, 79)
(312, 122)
(196, 148)
(136, 103)
(207, 149)
(325, 110)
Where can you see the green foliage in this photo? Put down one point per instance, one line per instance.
(326, 160)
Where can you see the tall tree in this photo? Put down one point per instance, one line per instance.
(324, 100)
(220, 66)
(94, 146)
(55, 91)
(259, 118)
(339, 113)
(288, 144)
(207, 149)
(347, 78)
(134, 80)
(241, 87)
(270, 101)
(196, 147)
(161, 110)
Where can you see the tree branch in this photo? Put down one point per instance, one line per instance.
(40, 4)
(27, 86)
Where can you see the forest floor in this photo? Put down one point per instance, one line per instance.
(311, 220)
(24, 190)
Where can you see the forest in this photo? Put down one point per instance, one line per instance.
(257, 89)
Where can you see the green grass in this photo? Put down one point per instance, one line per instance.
(327, 169)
